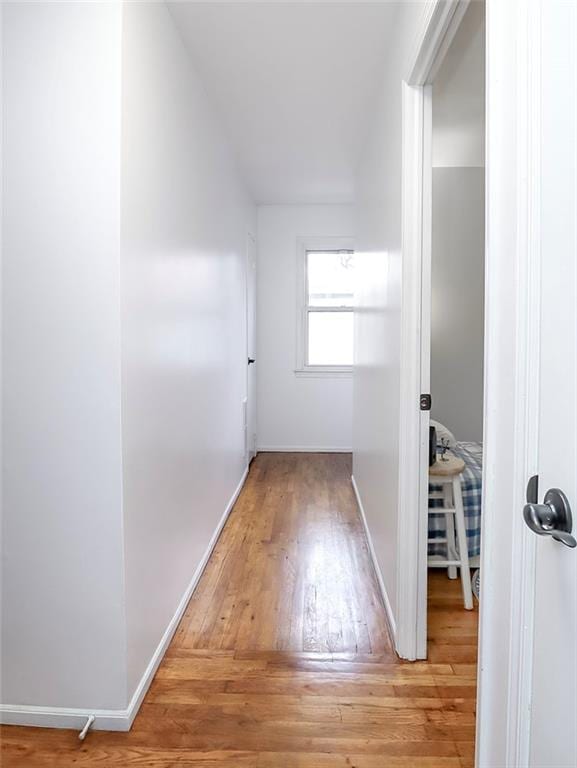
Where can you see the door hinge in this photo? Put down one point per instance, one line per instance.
(425, 402)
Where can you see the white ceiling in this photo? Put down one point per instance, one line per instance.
(293, 83)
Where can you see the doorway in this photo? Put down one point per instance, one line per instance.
(250, 405)
(443, 243)
(454, 288)
(453, 294)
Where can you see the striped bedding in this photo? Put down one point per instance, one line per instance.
(471, 484)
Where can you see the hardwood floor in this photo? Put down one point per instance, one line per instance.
(283, 659)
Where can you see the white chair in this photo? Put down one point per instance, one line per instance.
(448, 475)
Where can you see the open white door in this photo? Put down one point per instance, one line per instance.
(528, 651)
(251, 347)
(553, 710)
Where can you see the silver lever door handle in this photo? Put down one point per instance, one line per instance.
(552, 518)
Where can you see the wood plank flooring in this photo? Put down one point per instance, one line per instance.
(283, 659)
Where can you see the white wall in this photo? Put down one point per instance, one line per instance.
(459, 95)
(294, 413)
(185, 218)
(378, 315)
(458, 223)
(457, 316)
(62, 602)
(124, 350)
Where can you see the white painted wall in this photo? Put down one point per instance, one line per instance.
(62, 599)
(459, 95)
(185, 218)
(378, 315)
(294, 413)
(458, 225)
(124, 351)
(457, 301)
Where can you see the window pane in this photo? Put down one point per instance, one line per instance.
(330, 278)
(330, 338)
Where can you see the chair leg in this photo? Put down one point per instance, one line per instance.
(463, 549)
(449, 501)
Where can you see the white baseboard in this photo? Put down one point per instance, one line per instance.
(59, 717)
(118, 719)
(302, 449)
(384, 595)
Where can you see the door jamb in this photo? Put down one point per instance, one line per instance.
(250, 443)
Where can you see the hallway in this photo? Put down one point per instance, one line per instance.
(283, 658)
(291, 570)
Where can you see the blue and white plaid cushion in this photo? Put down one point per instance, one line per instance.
(471, 485)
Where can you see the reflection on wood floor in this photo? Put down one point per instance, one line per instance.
(283, 659)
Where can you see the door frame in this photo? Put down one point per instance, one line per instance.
(441, 21)
(250, 444)
(511, 392)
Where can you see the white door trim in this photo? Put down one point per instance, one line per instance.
(440, 23)
(250, 425)
(411, 634)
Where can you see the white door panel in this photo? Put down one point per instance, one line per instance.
(527, 705)
(251, 347)
(554, 694)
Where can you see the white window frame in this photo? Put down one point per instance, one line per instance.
(302, 368)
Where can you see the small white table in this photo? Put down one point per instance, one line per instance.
(448, 475)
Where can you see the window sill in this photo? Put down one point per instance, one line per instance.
(324, 373)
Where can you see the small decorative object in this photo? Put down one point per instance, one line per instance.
(444, 448)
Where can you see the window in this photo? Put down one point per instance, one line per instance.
(326, 326)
